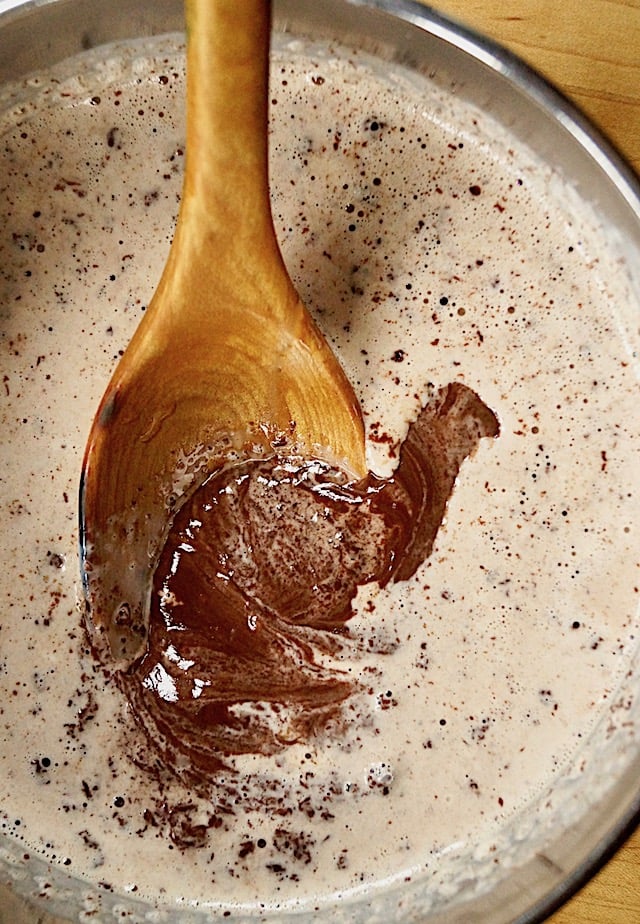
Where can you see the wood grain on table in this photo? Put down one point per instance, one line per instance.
(590, 49)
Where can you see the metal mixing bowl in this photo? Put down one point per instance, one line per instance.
(37, 34)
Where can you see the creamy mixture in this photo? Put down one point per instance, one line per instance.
(253, 590)
(431, 249)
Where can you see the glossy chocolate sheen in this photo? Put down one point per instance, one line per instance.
(254, 585)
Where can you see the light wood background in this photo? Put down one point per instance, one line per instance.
(590, 49)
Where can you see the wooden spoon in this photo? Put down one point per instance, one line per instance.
(226, 359)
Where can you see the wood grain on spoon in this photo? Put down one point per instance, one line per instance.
(226, 355)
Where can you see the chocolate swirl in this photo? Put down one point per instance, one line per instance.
(253, 589)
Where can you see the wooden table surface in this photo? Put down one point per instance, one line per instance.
(590, 49)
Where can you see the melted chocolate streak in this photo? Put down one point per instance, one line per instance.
(255, 583)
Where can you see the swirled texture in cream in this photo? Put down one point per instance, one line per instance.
(253, 588)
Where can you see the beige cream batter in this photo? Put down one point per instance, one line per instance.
(430, 249)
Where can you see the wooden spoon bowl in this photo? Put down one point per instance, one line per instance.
(227, 361)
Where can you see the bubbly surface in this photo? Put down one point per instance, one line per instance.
(431, 247)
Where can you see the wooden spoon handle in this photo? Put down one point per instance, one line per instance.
(226, 183)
